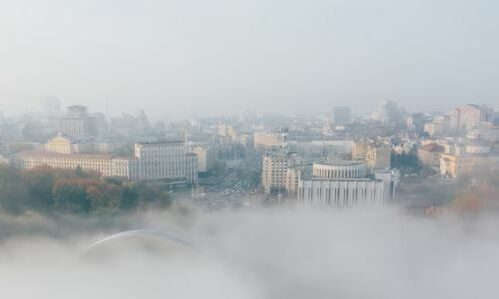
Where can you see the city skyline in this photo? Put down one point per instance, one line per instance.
(255, 149)
(180, 58)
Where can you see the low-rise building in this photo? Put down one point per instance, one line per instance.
(158, 160)
(429, 154)
(466, 164)
(266, 140)
(438, 126)
(486, 131)
(321, 148)
(101, 164)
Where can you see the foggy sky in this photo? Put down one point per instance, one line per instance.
(189, 58)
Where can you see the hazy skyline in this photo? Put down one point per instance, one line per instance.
(193, 58)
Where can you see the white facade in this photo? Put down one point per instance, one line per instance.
(151, 161)
(102, 164)
(344, 184)
(342, 193)
(321, 148)
(477, 149)
(165, 160)
(339, 169)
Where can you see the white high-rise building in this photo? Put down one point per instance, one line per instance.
(165, 160)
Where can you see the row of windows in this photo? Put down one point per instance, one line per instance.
(342, 196)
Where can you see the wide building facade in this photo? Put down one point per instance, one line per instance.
(165, 160)
(339, 184)
(152, 161)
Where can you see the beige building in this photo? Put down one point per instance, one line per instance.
(105, 147)
(3, 160)
(359, 150)
(379, 157)
(465, 118)
(161, 160)
(274, 170)
(293, 176)
(430, 154)
(438, 126)
(67, 145)
(206, 157)
(265, 140)
(101, 164)
(487, 131)
(225, 130)
(456, 166)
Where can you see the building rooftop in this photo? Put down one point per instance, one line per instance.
(363, 179)
(43, 153)
(433, 147)
(162, 142)
(340, 163)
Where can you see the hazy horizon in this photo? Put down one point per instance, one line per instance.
(185, 58)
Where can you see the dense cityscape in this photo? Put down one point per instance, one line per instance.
(321, 149)
(333, 160)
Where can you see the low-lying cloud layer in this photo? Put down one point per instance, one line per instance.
(263, 254)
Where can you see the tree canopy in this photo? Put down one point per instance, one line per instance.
(50, 190)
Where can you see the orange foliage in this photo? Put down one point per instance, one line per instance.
(476, 199)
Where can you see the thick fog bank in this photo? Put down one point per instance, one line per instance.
(262, 254)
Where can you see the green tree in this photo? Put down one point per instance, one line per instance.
(408, 163)
(104, 198)
(70, 197)
(13, 191)
(40, 183)
(129, 195)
